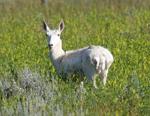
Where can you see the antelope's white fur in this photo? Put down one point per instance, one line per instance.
(89, 61)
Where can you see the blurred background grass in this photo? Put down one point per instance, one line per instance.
(122, 26)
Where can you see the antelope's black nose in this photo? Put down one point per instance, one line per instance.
(50, 46)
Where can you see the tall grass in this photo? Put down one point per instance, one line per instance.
(29, 84)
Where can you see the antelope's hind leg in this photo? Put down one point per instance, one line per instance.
(89, 72)
(103, 76)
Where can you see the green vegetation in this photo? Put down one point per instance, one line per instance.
(29, 84)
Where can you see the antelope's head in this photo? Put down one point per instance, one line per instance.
(53, 35)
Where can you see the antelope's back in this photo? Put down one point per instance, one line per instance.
(97, 52)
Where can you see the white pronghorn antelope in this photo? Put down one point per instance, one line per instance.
(88, 61)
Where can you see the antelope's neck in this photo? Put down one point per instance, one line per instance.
(56, 55)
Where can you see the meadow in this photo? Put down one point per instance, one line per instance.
(29, 84)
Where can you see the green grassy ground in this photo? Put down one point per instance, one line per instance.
(29, 84)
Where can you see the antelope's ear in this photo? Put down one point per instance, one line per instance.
(45, 26)
(61, 26)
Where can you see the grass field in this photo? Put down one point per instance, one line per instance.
(29, 84)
